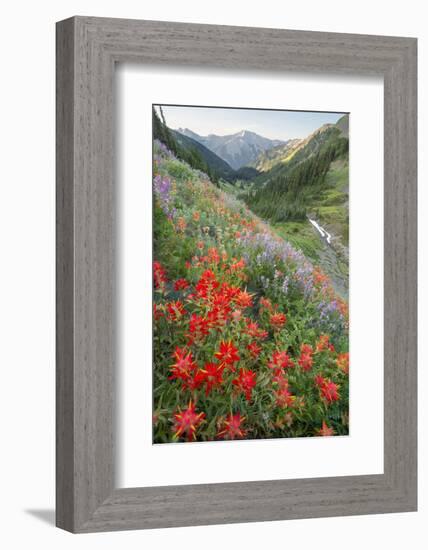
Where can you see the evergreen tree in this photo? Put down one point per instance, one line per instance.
(191, 156)
(286, 194)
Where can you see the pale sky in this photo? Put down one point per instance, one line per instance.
(271, 124)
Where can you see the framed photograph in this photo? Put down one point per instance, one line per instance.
(236, 274)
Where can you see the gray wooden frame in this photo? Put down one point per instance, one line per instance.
(87, 50)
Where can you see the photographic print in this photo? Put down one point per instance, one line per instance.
(250, 274)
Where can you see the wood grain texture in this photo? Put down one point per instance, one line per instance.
(87, 50)
(64, 276)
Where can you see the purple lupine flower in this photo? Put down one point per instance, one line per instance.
(162, 188)
(330, 317)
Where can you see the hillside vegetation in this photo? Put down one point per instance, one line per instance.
(295, 183)
(307, 180)
(286, 185)
(193, 153)
(250, 339)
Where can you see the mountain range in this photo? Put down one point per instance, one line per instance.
(238, 150)
(284, 180)
(294, 185)
(270, 170)
(216, 163)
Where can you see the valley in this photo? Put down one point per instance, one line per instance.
(299, 186)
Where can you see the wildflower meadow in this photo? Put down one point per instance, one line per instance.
(250, 341)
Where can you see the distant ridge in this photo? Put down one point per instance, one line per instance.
(343, 125)
(294, 179)
(274, 161)
(221, 167)
(238, 150)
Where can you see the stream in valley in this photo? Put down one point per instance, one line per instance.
(333, 258)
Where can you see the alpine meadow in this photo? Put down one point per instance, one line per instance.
(250, 274)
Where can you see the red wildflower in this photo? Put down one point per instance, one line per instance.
(342, 362)
(245, 382)
(325, 430)
(305, 359)
(198, 327)
(228, 292)
(254, 349)
(227, 354)
(319, 277)
(221, 300)
(284, 398)
(244, 299)
(181, 284)
(181, 224)
(324, 343)
(343, 308)
(217, 316)
(254, 331)
(213, 376)
(206, 284)
(319, 380)
(265, 303)
(232, 427)
(195, 380)
(280, 359)
(280, 379)
(238, 265)
(159, 275)
(306, 349)
(213, 256)
(186, 422)
(277, 320)
(157, 313)
(184, 364)
(175, 310)
(306, 362)
(329, 390)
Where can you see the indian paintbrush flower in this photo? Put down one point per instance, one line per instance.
(278, 320)
(245, 382)
(227, 354)
(280, 359)
(328, 389)
(254, 349)
(325, 430)
(184, 364)
(305, 360)
(187, 421)
(342, 362)
(181, 284)
(232, 427)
